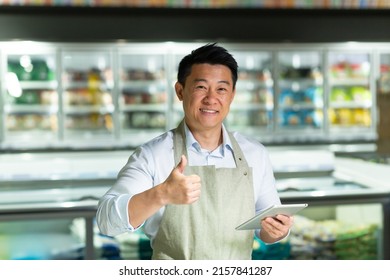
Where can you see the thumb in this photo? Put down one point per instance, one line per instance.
(182, 164)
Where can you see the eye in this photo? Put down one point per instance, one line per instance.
(222, 90)
(200, 87)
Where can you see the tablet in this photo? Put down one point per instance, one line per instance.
(284, 209)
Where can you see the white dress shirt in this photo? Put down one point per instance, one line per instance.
(151, 164)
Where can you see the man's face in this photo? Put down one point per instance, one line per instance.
(206, 96)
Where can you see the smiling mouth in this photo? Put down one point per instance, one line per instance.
(208, 111)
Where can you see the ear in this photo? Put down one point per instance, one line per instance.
(179, 90)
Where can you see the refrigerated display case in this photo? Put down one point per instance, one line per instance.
(122, 94)
(143, 96)
(252, 109)
(300, 100)
(87, 83)
(349, 204)
(350, 98)
(30, 97)
(42, 193)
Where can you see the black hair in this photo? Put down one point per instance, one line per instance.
(210, 54)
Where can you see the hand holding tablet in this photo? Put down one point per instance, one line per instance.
(272, 211)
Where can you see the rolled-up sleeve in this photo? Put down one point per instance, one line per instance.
(112, 215)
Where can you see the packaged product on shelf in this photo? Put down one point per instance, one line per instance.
(259, 118)
(142, 75)
(41, 71)
(31, 70)
(141, 97)
(296, 73)
(28, 97)
(30, 121)
(244, 97)
(238, 118)
(310, 117)
(262, 75)
(49, 97)
(347, 69)
(313, 95)
(359, 70)
(20, 122)
(131, 98)
(348, 117)
(362, 117)
(78, 97)
(343, 116)
(147, 120)
(264, 97)
(339, 70)
(316, 75)
(340, 94)
(92, 121)
(360, 94)
(23, 74)
(75, 75)
(291, 118)
(332, 239)
(357, 243)
(286, 97)
(299, 97)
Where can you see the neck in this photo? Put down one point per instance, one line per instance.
(209, 139)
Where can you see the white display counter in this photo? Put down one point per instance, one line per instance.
(68, 185)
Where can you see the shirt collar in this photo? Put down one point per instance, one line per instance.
(191, 141)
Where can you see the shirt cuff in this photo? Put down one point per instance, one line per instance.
(123, 202)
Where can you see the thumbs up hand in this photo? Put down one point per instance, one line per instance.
(179, 188)
(182, 164)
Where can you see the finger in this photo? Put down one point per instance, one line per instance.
(194, 178)
(194, 195)
(182, 164)
(285, 220)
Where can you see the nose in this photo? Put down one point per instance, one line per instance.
(210, 97)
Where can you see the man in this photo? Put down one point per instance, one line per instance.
(192, 186)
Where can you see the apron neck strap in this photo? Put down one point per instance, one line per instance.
(179, 146)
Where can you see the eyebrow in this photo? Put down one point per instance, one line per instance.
(204, 80)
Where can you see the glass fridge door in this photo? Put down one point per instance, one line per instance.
(88, 97)
(252, 109)
(143, 95)
(350, 101)
(384, 74)
(300, 101)
(30, 98)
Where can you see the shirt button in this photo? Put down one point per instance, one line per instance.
(245, 173)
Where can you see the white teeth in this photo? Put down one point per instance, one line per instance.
(208, 111)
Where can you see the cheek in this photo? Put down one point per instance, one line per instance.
(227, 100)
(193, 99)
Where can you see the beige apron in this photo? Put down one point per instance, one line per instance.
(206, 229)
